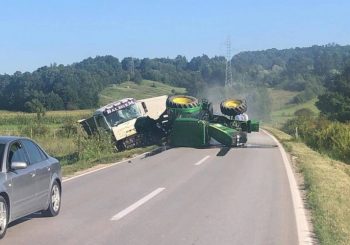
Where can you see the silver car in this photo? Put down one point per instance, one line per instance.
(30, 181)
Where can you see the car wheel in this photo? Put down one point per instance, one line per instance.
(3, 217)
(55, 200)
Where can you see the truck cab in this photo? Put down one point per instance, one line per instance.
(119, 118)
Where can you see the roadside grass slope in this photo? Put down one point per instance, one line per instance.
(145, 89)
(327, 184)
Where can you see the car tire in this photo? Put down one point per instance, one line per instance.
(233, 107)
(3, 216)
(55, 200)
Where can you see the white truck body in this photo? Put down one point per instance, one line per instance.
(120, 116)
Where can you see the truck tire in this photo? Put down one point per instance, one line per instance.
(233, 107)
(121, 146)
(181, 101)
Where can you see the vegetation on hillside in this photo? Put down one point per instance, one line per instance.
(77, 86)
(330, 131)
(335, 103)
(145, 89)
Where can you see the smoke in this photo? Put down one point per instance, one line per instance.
(258, 99)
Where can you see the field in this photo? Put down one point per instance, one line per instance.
(145, 89)
(61, 136)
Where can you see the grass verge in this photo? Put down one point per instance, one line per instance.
(327, 184)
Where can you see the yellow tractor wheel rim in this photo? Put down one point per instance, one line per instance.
(232, 103)
(182, 100)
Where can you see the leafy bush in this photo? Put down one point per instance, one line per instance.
(332, 138)
(304, 112)
(68, 129)
(94, 147)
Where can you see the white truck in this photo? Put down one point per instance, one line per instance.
(120, 117)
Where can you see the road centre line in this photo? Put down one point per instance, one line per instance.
(201, 161)
(137, 204)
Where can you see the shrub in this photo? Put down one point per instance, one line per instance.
(332, 138)
(304, 112)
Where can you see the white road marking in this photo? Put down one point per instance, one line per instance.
(304, 234)
(99, 169)
(137, 204)
(201, 161)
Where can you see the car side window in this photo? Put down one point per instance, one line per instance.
(33, 152)
(16, 154)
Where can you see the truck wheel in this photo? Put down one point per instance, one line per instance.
(3, 217)
(121, 146)
(233, 107)
(181, 101)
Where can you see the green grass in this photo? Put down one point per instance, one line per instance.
(281, 98)
(282, 109)
(146, 89)
(327, 183)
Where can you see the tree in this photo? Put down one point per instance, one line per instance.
(335, 103)
(35, 106)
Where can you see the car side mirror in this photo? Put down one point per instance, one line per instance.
(18, 165)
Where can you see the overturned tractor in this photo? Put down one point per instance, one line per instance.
(194, 124)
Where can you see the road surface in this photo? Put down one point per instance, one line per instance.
(179, 196)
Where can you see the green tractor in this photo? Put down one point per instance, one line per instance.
(189, 123)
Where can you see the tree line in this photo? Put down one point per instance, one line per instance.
(77, 86)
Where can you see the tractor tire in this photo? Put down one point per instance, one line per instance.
(181, 101)
(233, 107)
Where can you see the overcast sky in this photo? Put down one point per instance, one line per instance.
(37, 33)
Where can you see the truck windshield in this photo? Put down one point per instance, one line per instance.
(123, 115)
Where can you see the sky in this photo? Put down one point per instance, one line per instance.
(38, 33)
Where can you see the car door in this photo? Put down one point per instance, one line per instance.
(22, 182)
(43, 172)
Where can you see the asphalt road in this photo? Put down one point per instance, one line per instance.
(180, 196)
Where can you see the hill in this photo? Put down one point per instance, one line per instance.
(77, 86)
(145, 89)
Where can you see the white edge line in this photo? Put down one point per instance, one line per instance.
(137, 204)
(304, 234)
(99, 169)
(202, 161)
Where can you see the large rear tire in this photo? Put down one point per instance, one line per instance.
(233, 107)
(3, 217)
(181, 101)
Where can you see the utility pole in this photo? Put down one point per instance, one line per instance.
(132, 68)
(228, 79)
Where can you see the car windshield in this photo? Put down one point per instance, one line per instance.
(123, 115)
(2, 148)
